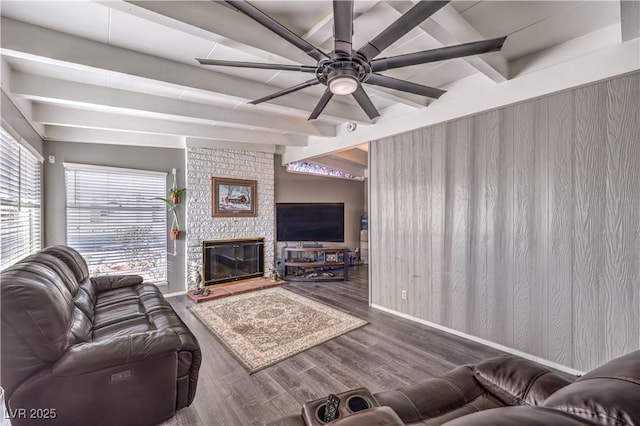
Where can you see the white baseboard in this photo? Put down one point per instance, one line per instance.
(177, 293)
(481, 340)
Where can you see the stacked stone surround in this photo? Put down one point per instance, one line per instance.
(202, 165)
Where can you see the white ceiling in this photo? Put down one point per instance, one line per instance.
(124, 72)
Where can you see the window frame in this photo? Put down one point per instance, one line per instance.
(161, 229)
(25, 154)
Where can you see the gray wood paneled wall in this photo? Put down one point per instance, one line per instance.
(520, 225)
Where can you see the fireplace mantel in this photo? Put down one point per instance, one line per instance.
(225, 261)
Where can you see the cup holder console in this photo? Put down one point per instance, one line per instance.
(350, 402)
(357, 403)
(320, 411)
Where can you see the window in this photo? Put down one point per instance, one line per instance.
(114, 221)
(20, 200)
(311, 168)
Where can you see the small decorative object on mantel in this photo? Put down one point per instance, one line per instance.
(233, 197)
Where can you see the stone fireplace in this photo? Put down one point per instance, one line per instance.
(225, 261)
(202, 225)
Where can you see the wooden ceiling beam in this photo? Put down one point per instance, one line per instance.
(79, 118)
(71, 93)
(36, 42)
(449, 28)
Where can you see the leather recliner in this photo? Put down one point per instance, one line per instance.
(506, 390)
(90, 350)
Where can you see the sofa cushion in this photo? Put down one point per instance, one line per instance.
(530, 416)
(72, 267)
(119, 295)
(136, 305)
(455, 394)
(113, 282)
(122, 328)
(36, 302)
(74, 261)
(607, 395)
(518, 381)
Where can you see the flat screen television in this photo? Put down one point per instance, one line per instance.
(310, 222)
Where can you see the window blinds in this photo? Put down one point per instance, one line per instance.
(114, 221)
(20, 200)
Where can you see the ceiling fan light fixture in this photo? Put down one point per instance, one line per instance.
(343, 85)
(344, 69)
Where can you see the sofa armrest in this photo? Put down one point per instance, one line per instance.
(292, 420)
(509, 416)
(518, 381)
(377, 416)
(449, 395)
(111, 282)
(87, 357)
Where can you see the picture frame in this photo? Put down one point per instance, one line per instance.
(233, 197)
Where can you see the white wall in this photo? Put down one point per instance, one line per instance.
(202, 165)
(518, 226)
(12, 116)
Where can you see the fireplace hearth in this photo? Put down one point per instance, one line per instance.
(225, 261)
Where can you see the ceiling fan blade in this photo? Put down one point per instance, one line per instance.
(448, 52)
(281, 67)
(292, 89)
(324, 100)
(343, 25)
(404, 86)
(273, 25)
(365, 103)
(414, 16)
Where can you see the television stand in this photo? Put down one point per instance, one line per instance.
(311, 245)
(315, 263)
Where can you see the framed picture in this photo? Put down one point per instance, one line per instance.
(233, 197)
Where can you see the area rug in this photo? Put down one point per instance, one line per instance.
(264, 327)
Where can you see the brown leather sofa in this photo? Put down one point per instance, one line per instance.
(79, 350)
(507, 390)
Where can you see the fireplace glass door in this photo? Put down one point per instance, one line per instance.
(232, 260)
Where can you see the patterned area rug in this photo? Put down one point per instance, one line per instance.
(264, 327)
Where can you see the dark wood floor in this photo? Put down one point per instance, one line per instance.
(388, 353)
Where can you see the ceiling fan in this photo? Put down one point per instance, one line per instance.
(344, 70)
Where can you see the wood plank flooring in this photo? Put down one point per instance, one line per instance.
(388, 353)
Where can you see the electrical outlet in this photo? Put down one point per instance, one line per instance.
(404, 294)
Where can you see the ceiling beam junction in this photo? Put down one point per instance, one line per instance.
(449, 28)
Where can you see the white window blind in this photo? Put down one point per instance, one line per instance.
(20, 200)
(114, 221)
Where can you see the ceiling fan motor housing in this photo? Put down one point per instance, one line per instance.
(343, 67)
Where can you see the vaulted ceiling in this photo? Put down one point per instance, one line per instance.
(125, 72)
